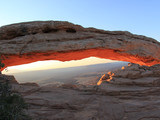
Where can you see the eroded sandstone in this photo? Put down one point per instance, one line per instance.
(134, 74)
(54, 40)
(123, 98)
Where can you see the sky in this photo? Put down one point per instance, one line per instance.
(137, 16)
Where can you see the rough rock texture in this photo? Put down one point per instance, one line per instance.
(10, 78)
(125, 97)
(54, 40)
(134, 74)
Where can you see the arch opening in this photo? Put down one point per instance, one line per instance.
(12, 60)
(57, 72)
(29, 42)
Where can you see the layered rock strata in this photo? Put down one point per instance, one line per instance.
(56, 40)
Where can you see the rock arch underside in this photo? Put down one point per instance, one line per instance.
(28, 42)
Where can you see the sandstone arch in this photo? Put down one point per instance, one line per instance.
(55, 40)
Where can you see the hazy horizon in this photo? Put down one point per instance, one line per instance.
(68, 75)
(54, 64)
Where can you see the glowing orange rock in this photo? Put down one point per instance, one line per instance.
(106, 77)
(123, 68)
(52, 40)
(101, 79)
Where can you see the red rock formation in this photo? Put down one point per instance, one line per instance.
(52, 40)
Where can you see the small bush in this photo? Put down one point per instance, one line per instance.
(12, 104)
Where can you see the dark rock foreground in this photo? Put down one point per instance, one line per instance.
(131, 94)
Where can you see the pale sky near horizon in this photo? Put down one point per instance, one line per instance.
(136, 16)
(50, 64)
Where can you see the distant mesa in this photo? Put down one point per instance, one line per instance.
(28, 42)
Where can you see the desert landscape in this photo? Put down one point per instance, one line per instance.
(132, 94)
(66, 75)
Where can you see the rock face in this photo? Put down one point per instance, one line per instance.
(10, 78)
(134, 74)
(130, 95)
(54, 40)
